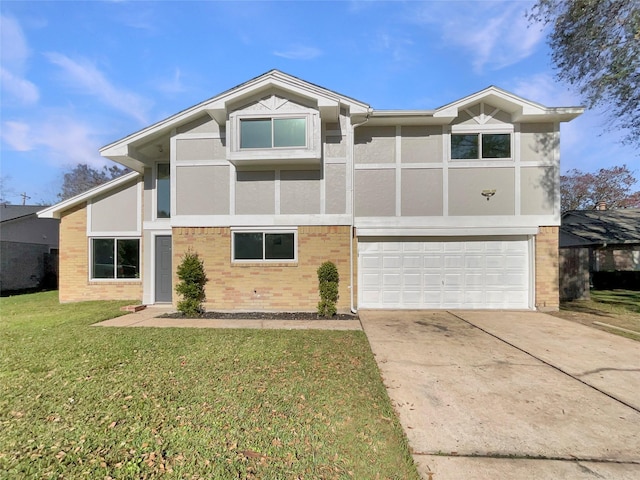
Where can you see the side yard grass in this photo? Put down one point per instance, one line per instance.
(620, 308)
(129, 403)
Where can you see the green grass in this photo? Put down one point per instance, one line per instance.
(617, 301)
(92, 402)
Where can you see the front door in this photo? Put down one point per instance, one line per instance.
(163, 269)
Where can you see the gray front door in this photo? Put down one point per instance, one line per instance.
(163, 269)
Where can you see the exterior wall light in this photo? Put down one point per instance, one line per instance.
(488, 193)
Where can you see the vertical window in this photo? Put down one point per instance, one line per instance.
(480, 145)
(114, 258)
(163, 191)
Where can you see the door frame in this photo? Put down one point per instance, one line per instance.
(152, 261)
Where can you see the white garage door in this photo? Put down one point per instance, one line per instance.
(485, 273)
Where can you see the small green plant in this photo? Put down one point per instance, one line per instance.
(328, 280)
(192, 280)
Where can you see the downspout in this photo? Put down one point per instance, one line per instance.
(354, 310)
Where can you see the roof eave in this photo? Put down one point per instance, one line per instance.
(55, 211)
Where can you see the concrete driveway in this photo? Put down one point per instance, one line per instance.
(510, 394)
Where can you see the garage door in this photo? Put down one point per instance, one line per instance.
(419, 273)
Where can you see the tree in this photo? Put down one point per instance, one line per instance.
(83, 177)
(193, 278)
(613, 186)
(328, 280)
(596, 47)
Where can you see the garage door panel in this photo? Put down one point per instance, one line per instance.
(391, 261)
(444, 274)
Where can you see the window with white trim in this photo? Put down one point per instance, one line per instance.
(163, 190)
(264, 246)
(287, 132)
(474, 146)
(115, 258)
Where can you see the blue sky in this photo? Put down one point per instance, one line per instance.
(78, 75)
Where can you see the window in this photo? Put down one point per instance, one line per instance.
(115, 258)
(471, 146)
(163, 191)
(273, 132)
(263, 246)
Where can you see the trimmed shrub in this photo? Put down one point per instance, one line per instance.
(328, 280)
(192, 281)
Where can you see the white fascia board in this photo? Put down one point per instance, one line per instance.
(457, 223)
(216, 107)
(446, 232)
(56, 210)
(257, 221)
(521, 108)
(328, 102)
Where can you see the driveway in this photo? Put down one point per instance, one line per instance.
(510, 394)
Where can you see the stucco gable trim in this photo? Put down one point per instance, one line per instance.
(520, 108)
(329, 104)
(55, 211)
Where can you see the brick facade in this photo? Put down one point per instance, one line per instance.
(547, 288)
(266, 286)
(74, 283)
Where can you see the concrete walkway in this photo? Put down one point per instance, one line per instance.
(149, 317)
(510, 394)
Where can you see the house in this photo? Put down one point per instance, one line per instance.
(599, 248)
(456, 207)
(28, 249)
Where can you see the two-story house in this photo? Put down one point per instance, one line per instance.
(456, 207)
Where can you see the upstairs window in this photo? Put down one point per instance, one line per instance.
(472, 146)
(273, 132)
(163, 191)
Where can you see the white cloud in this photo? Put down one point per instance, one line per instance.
(15, 50)
(92, 81)
(172, 85)
(299, 52)
(19, 88)
(543, 88)
(396, 45)
(61, 140)
(13, 58)
(16, 135)
(495, 34)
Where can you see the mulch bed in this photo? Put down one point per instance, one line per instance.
(264, 316)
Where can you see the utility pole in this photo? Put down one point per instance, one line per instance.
(24, 197)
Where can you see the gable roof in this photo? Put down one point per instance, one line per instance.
(600, 227)
(12, 212)
(520, 109)
(55, 211)
(329, 103)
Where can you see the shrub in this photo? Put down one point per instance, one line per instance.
(192, 280)
(328, 280)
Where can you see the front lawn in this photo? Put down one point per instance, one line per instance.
(93, 402)
(620, 308)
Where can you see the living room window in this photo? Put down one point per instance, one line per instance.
(256, 246)
(273, 133)
(115, 258)
(472, 146)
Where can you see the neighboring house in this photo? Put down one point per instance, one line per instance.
(599, 248)
(28, 249)
(456, 207)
